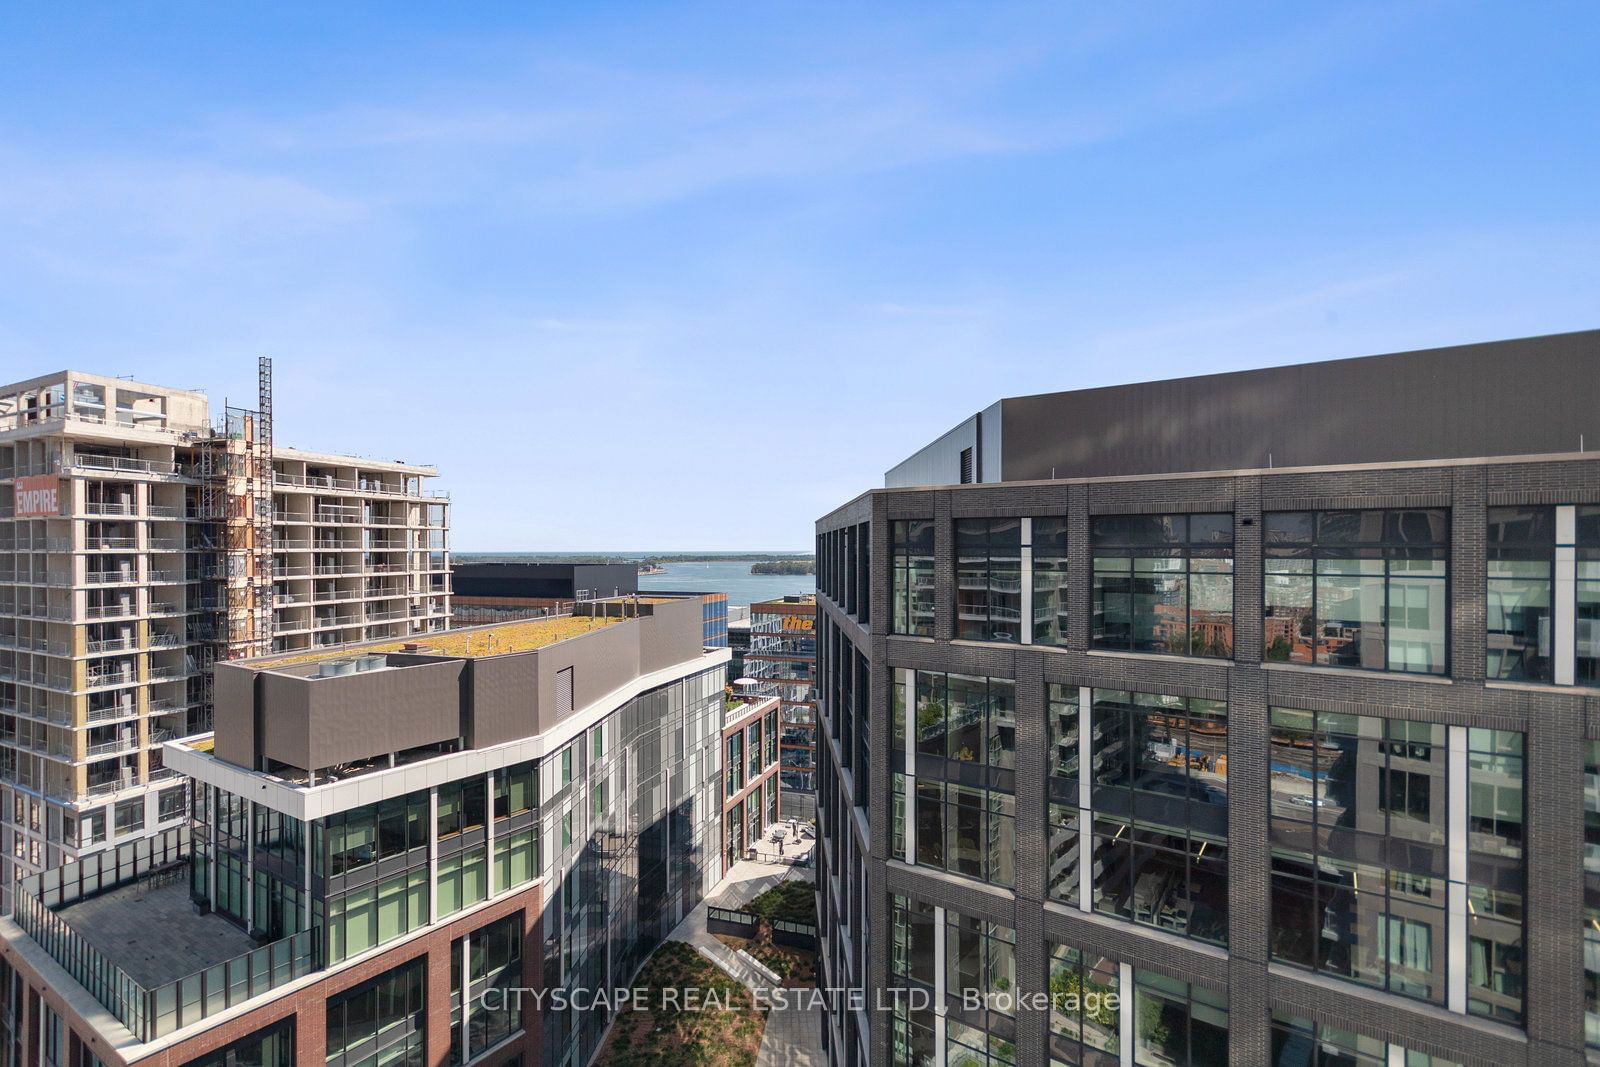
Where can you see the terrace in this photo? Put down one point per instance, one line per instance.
(96, 918)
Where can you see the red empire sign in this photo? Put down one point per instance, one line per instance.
(38, 496)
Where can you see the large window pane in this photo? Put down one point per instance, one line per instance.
(1362, 589)
(911, 592)
(1163, 584)
(1159, 812)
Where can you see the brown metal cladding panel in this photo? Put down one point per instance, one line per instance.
(234, 702)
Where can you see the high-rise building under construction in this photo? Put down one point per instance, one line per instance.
(140, 541)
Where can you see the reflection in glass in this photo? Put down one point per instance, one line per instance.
(1362, 589)
(1163, 583)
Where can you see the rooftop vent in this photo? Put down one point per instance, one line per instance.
(354, 665)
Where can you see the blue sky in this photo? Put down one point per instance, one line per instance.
(688, 276)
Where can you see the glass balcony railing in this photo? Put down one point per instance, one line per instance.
(155, 864)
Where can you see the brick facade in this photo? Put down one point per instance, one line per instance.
(1554, 719)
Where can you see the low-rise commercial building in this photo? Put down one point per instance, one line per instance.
(381, 834)
(497, 591)
(749, 775)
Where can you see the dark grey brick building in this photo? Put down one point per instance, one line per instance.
(1248, 718)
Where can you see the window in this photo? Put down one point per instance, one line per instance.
(1358, 862)
(170, 804)
(1521, 586)
(1160, 816)
(989, 579)
(1064, 819)
(1363, 589)
(516, 858)
(1299, 1042)
(911, 576)
(1588, 595)
(380, 1021)
(461, 807)
(734, 762)
(361, 919)
(1163, 583)
(980, 969)
(1496, 874)
(52, 1038)
(1177, 1024)
(493, 961)
(965, 805)
(92, 827)
(129, 816)
(272, 1046)
(913, 965)
(966, 719)
(1050, 581)
(772, 737)
(1085, 1007)
(461, 881)
(365, 835)
(516, 790)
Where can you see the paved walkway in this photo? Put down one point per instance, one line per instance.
(793, 1036)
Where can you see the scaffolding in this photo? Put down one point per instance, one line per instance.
(236, 485)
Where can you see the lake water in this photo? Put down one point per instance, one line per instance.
(733, 578)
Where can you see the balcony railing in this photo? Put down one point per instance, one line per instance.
(118, 577)
(114, 711)
(148, 1013)
(100, 544)
(119, 463)
(111, 611)
(101, 507)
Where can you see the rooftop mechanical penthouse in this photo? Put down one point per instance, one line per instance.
(381, 833)
(1268, 702)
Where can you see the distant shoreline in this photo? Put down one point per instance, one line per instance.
(644, 561)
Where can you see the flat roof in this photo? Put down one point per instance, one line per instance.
(101, 379)
(495, 639)
(154, 932)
